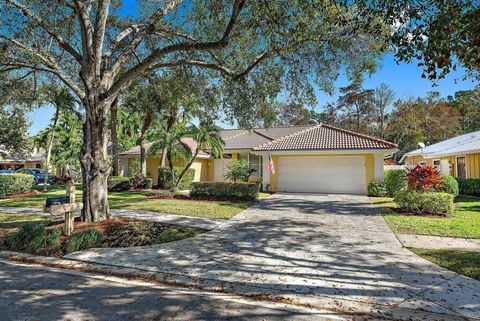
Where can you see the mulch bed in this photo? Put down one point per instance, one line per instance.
(34, 192)
(115, 232)
(437, 215)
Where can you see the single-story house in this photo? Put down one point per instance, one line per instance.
(458, 156)
(34, 160)
(311, 158)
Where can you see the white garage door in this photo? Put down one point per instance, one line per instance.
(322, 174)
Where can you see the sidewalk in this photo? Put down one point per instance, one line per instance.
(197, 222)
(439, 242)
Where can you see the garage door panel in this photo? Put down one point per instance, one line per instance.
(322, 174)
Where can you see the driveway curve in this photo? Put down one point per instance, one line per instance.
(327, 251)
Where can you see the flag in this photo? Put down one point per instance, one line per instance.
(271, 167)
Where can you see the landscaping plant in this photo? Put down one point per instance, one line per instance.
(83, 239)
(450, 185)
(376, 189)
(239, 171)
(424, 178)
(425, 203)
(225, 190)
(469, 186)
(11, 184)
(395, 181)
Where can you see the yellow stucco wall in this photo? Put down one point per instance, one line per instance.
(201, 167)
(369, 166)
(473, 163)
(201, 170)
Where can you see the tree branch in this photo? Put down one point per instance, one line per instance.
(156, 54)
(61, 42)
(85, 27)
(99, 32)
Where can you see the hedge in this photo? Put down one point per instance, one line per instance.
(118, 184)
(165, 177)
(225, 190)
(425, 202)
(469, 186)
(376, 189)
(395, 181)
(11, 184)
(450, 185)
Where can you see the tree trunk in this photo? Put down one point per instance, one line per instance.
(113, 115)
(172, 170)
(182, 174)
(143, 154)
(49, 148)
(94, 161)
(172, 118)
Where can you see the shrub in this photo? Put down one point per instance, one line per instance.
(83, 239)
(11, 184)
(138, 181)
(225, 190)
(165, 178)
(118, 184)
(469, 186)
(239, 171)
(450, 185)
(424, 178)
(33, 237)
(425, 203)
(376, 189)
(395, 181)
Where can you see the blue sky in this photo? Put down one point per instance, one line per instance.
(404, 79)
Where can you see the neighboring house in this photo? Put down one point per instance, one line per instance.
(35, 160)
(313, 158)
(458, 156)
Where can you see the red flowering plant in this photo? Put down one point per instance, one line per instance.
(424, 178)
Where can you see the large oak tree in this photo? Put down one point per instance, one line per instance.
(97, 49)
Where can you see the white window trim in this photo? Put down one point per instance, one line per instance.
(260, 163)
(456, 165)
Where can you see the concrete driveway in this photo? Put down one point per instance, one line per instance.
(327, 251)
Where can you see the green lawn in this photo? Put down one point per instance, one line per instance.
(15, 220)
(138, 201)
(462, 262)
(465, 221)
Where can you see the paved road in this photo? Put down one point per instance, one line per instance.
(331, 251)
(39, 293)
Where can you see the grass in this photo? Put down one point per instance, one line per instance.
(464, 223)
(15, 220)
(463, 262)
(139, 201)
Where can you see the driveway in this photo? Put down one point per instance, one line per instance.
(325, 251)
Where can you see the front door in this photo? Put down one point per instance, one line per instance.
(461, 167)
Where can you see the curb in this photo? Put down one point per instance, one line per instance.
(351, 308)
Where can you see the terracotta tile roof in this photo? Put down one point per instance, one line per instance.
(325, 137)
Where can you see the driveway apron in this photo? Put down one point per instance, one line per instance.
(330, 251)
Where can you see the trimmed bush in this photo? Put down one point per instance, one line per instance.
(469, 186)
(225, 190)
(376, 189)
(165, 178)
(450, 185)
(395, 181)
(11, 184)
(82, 240)
(425, 203)
(119, 184)
(424, 178)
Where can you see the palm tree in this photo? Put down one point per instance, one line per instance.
(62, 100)
(207, 136)
(171, 145)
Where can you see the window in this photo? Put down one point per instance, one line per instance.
(422, 163)
(461, 167)
(436, 164)
(254, 162)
